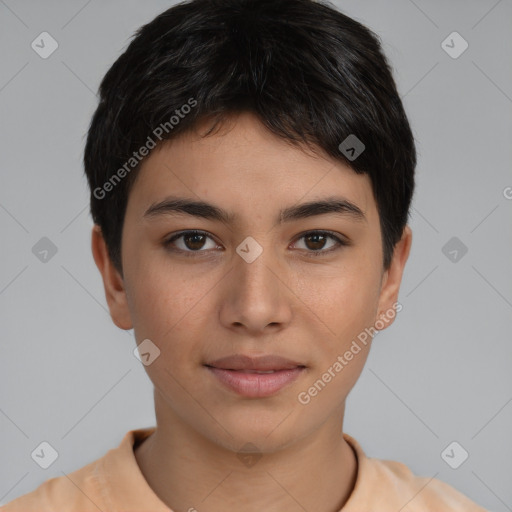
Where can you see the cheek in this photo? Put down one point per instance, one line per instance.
(344, 300)
(169, 307)
(158, 298)
(346, 307)
(359, 304)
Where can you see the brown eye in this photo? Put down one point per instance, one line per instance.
(190, 242)
(315, 242)
(194, 241)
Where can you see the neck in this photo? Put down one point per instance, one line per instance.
(188, 471)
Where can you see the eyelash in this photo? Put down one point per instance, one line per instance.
(340, 243)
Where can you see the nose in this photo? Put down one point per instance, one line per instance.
(256, 297)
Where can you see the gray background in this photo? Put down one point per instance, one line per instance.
(441, 373)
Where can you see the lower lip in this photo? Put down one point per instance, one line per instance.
(256, 385)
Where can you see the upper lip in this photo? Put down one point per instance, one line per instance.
(258, 363)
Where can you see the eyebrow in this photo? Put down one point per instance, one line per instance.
(201, 209)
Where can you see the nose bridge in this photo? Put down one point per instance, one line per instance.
(256, 294)
(256, 271)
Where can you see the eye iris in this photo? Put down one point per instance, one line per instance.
(316, 244)
(194, 236)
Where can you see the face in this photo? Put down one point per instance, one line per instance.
(253, 275)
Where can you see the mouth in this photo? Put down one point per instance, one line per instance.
(266, 363)
(261, 372)
(249, 371)
(255, 377)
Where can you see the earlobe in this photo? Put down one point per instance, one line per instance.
(393, 277)
(113, 283)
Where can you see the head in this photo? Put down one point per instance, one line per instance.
(231, 118)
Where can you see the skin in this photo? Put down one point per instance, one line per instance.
(286, 302)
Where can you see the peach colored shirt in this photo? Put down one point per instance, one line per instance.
(115, 483)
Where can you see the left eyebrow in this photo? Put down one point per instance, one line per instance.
(204, 210)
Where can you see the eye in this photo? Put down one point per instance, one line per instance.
(193, 241)
(315, 242)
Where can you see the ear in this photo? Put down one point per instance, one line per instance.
(392, 278)
(113, 283)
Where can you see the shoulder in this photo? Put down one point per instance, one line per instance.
(387, 485)
(112, 482)
(75, 491)
(421, 494)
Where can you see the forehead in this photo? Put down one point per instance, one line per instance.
(246, 169)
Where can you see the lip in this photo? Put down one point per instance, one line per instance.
(257, 363)
(237, 373)
(256, 385)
